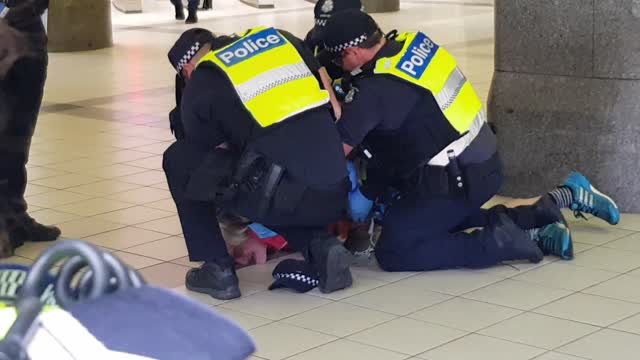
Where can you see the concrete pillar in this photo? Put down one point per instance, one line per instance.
(566, 94)
(380, 6)
(79, 25)
(377, 6)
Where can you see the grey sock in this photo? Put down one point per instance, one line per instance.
(562, 196)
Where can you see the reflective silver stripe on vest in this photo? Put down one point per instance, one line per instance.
(268, 80)
(458, 146)
(451, 89)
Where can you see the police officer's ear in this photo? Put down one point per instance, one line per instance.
(188, 68)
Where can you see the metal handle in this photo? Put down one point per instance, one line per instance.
(33, 285)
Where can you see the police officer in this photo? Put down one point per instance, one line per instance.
(21, 91)
(201, 37)
(259, 142)
(322, 11)
(423, 127)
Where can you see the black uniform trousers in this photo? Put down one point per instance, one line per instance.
(308, 221)
(423, 233)
(21, 93)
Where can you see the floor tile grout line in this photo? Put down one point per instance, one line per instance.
(148, 256)
(395, 317)
(287, 317)
(520, 312)
(388, 313)
(592, 331)
(537, 357)
(559, 348)
(312, 348)
(566, 319)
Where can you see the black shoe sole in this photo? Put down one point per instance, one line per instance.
(339, 259)
(227, 294)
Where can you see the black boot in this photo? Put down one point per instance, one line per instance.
(179, 12)
(24, 228)
(508, 242)
(193, 17)
(332, 261)
(6, 247)
(217, 280)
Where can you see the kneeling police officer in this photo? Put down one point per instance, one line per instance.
(423, 129)
(259, 141)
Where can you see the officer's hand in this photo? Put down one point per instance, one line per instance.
(359, 205)
(353, 175)
(176, 124)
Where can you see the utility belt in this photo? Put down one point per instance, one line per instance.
(464, 175)
(221, 177)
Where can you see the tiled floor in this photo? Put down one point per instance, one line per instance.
(95, 171)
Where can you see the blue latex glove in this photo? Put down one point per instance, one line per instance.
(359, 205)
(353, 175)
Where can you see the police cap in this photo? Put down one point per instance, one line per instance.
(325, 8)
(294, 274)
(189, 43)
(347, 29)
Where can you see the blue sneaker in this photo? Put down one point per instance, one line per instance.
(555, 239)
(588, 199)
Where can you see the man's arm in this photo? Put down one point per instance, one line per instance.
(199, 110)
(335, 103)
(361, 115)
(175, 123)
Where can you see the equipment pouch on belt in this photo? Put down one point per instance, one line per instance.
(480, 178)
(448, 180)
(212, 177)
(258, 175)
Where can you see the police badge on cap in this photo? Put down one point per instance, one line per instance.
(327, 7)
(324, 9)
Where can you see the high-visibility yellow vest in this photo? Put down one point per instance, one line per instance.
(423, 63)
(269, 75)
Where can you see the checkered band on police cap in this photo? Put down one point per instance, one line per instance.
(351, 43)
(347, 29)
(188, 55)
(302, 278)
(294, 274)
(189, 43)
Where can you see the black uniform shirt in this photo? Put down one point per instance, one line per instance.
(307, 144)
(400, 121)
